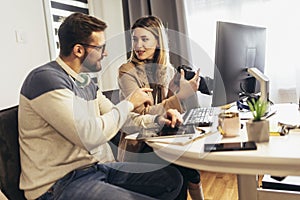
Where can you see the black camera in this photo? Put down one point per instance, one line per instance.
(189, 74)
(188, 71)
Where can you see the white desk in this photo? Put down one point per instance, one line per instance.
(279, 157)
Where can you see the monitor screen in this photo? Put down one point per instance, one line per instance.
(238, 47)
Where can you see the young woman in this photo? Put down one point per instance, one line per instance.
(149, 66)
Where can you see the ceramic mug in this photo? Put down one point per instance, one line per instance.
(229, 124)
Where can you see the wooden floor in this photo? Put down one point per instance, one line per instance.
(219, 186)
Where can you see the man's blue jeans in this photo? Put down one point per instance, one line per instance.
(118, 181)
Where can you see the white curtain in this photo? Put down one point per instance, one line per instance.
(281, 18)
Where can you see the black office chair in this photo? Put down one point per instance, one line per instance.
(9, 154)
(113, 96)
(10, 168)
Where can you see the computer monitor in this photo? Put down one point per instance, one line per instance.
(239, 63)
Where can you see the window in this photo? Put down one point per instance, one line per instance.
(281, 18)
(56, 11)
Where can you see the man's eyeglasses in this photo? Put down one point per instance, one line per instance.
(98, 48)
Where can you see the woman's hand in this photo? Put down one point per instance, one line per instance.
(188, 88)
(171, 118)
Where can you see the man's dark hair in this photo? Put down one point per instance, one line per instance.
(77, 28)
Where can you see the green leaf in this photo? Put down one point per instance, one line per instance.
(258, 108)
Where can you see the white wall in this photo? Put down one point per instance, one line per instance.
(17, 59)
(112, 13)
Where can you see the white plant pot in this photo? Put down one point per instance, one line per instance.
(258, 131)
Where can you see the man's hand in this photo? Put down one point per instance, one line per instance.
(188, 88)
(140, 96)
(171, 118)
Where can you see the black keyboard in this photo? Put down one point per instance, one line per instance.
(200, 116)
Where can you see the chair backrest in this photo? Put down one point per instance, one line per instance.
(9, 154)
(10, 167)
(113, 95)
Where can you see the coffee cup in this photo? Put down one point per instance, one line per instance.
(229, 124)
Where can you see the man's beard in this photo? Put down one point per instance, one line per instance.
(89, 67)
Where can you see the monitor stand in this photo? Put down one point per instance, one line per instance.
(263, 80)
(264, 90)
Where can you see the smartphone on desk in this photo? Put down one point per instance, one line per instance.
(232, 146)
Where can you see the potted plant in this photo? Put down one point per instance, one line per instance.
(258, 127)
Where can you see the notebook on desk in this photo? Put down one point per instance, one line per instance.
(165, 131)
(196, 120)
(181, 137)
